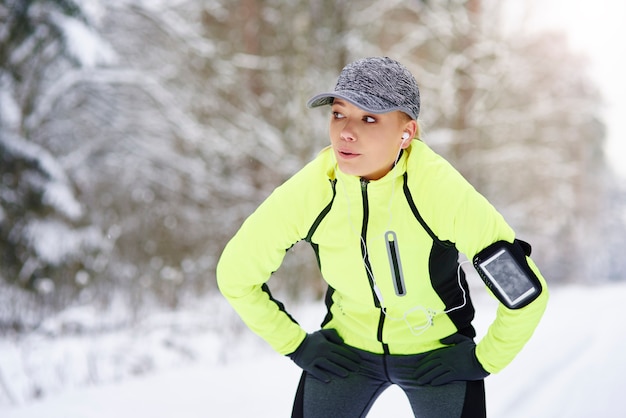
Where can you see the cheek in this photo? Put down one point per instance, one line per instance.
(387, 149)
(333, 132)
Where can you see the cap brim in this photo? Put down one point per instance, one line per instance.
(365, 101)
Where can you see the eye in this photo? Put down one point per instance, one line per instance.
(337, 115)
(369, 119)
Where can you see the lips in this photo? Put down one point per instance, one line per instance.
(347, 154)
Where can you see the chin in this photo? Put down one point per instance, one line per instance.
(346, 169)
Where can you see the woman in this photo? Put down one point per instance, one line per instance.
(387, 218)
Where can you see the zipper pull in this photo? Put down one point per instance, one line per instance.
(393, 252)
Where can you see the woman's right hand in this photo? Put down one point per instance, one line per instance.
(323, 354)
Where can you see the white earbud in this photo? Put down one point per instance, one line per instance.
(405, 136)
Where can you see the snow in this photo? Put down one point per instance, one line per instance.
(45, 237)
(88, 48)
(572, 367)
(56, 185)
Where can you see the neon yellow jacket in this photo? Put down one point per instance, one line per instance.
(433, 212)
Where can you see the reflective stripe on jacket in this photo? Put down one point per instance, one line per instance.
(388, 250)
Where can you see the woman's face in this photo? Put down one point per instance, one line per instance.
(367, 144)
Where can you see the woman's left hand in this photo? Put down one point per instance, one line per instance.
(449, 364)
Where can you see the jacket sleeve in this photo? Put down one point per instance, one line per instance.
(472, 223)
(511, 329)
(255, 252)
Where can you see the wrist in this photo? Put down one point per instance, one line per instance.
(482, 361)
(293, 343)
(300, 347)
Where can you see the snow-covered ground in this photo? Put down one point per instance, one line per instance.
(573, 367)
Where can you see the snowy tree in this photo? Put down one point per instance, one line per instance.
(171, 140)
(45, 240)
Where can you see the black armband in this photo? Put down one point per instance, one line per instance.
(505, 271)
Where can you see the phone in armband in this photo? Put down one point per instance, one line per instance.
(503, 268)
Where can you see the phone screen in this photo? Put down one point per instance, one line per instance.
(508, 277)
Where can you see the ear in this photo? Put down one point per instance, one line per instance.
(410, 129)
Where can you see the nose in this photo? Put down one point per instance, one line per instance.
(347, 133)
(347, 137)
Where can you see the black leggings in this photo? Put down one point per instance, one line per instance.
(354, 395)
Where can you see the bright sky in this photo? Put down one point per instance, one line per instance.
(598, 29)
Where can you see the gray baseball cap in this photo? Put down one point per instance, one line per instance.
(377, 85)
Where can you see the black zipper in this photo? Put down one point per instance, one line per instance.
(368, 266)
(364, 252)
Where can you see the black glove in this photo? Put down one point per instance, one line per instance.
(447, 364)
(323, 354)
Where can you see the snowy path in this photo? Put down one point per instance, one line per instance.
(573, 367)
